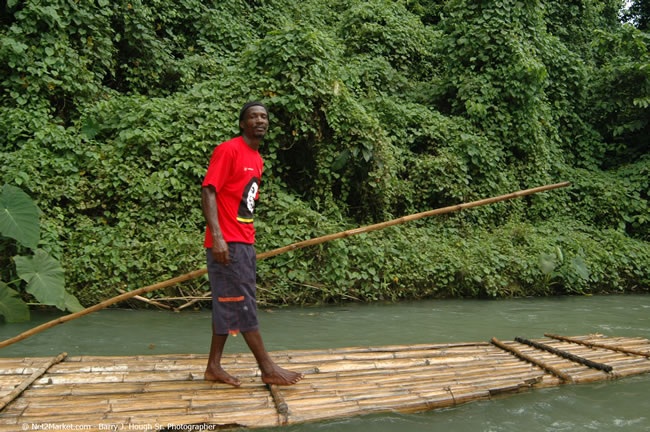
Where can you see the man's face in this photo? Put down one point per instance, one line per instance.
(255, 123)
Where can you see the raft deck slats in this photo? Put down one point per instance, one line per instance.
(96, 391)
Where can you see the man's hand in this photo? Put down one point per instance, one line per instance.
(220, 251)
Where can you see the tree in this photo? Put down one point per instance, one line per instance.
(638, 13)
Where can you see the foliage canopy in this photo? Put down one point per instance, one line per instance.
(110, 111)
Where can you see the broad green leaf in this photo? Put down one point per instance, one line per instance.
(44, 277)
(547, 263)
(19, 216)
(71, 303)
(90, 128)
(341, 160)
(580, 267)
(559, 254)
(11, 306)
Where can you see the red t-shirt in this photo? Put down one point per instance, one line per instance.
(235, 171)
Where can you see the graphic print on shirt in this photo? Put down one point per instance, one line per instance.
(247, 204)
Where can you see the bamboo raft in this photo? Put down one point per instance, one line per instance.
(167, 392)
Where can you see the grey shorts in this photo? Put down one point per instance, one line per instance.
(234, 306)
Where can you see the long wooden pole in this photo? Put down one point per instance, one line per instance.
(409, 218)
(278, 251)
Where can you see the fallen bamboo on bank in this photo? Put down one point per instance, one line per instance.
(146, 300)
(278, 251)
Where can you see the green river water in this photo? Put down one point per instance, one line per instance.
(622, 405)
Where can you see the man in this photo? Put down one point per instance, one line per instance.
(228, 196)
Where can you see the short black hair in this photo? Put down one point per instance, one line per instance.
(248, 105)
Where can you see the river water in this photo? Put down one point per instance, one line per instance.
(622, 405)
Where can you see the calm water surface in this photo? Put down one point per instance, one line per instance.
(622, 405)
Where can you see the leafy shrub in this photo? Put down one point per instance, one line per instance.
(110, 112)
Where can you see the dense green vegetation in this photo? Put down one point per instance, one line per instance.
(110, 111)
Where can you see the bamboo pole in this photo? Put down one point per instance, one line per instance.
(567, 355)
(280, 404)
(278, 251)
(191, 302)
(33, 377)
(553, 370)
(102, 305)
(598, 345)
(409, 218)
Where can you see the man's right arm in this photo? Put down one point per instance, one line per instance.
(210, 212)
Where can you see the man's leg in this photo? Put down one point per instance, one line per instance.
(214, 371)
(271, 372)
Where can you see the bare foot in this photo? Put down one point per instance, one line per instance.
(221, 375)
(279, 376)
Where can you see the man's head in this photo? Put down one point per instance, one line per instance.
(254, 120)
(247, 105)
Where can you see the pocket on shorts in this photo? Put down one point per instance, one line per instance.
(233, 253)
